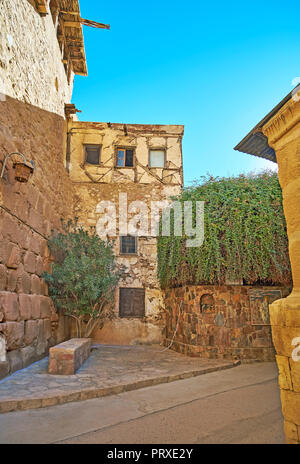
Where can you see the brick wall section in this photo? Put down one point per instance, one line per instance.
(231, 327)
(28, 212)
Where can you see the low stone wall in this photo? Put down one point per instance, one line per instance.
(229, 321)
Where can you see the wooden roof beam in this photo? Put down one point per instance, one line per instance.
(41, 6)
(78, 21)
(88, 22)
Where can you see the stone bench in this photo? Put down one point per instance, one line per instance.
(68, 357)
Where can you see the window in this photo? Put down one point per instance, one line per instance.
(125, 158)
(132, 302)
(128, 245)
(157, 159)
(92, 154)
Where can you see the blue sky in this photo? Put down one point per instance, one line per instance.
(216, 67)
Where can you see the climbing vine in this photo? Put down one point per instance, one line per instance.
(245, 236)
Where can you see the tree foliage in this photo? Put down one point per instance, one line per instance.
(245, 236)
(83, 277)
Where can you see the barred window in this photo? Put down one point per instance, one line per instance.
(128, 245)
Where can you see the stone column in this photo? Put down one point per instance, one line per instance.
(283, 132)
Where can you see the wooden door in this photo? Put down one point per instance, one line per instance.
(132, 302)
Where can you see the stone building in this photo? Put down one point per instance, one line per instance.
(107, 162)
(41, 49)
(277, 138)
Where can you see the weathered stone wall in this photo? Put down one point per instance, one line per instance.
(141, 269)
(31, 67)
(105, 182)
(28, 212)
(221, 321)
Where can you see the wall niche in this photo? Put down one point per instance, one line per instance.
(207, 304)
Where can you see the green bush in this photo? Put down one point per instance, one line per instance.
(83, 277)
(245, 236)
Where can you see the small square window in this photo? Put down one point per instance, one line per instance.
(125, 158)
(157, 159)
(128, 245)
(92, 154)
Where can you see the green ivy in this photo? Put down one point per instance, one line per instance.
(245, 235)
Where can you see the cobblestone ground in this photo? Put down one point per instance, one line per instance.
(109, 370)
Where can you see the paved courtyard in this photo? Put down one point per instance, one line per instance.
(240, 405)
(109, 370)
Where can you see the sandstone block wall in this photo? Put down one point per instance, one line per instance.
(285, 319)
(229, 322)
(283, 132)
(28, 212)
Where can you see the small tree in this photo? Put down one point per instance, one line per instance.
(83, 278)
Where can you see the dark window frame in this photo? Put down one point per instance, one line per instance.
(126, 253)
(92, 145)
(165, 157)
(133, 157)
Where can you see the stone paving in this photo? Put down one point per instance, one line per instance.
(109, 370)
